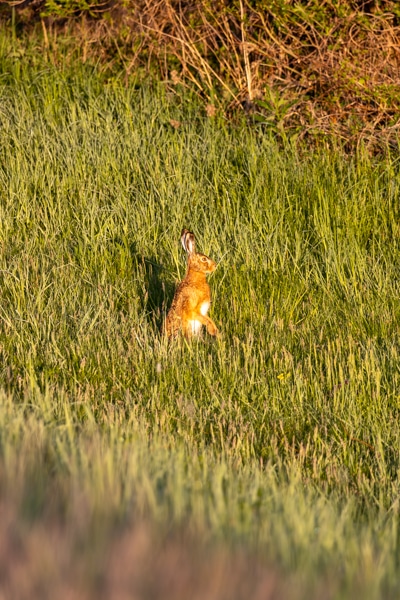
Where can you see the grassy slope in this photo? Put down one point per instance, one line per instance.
(284, 435)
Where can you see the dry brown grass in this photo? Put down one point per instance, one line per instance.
(303, 68)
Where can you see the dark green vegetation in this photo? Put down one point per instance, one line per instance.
(278, 446)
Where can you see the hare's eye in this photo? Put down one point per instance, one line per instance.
(203, 259)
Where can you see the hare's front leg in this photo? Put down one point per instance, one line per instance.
(209, 324)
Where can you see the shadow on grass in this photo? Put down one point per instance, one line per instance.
(156, 289)
(159, 291)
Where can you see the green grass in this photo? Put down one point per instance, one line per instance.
(281, 440)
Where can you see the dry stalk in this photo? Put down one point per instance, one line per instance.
(246, 54)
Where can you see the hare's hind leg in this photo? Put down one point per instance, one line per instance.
(172, 324)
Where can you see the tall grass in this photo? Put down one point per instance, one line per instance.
(283, 436)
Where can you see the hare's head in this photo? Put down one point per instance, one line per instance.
(196, 261)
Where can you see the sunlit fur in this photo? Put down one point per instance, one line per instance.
(192, 299)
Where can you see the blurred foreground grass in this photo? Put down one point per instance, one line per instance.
(277, 446)
(109, 511)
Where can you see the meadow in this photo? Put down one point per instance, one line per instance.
(264, 464)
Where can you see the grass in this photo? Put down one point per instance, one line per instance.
(273, 452)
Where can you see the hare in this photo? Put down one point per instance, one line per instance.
(192, 297)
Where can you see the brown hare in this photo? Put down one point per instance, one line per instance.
(192, 298)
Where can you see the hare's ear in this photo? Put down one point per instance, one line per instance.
(188, 241)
